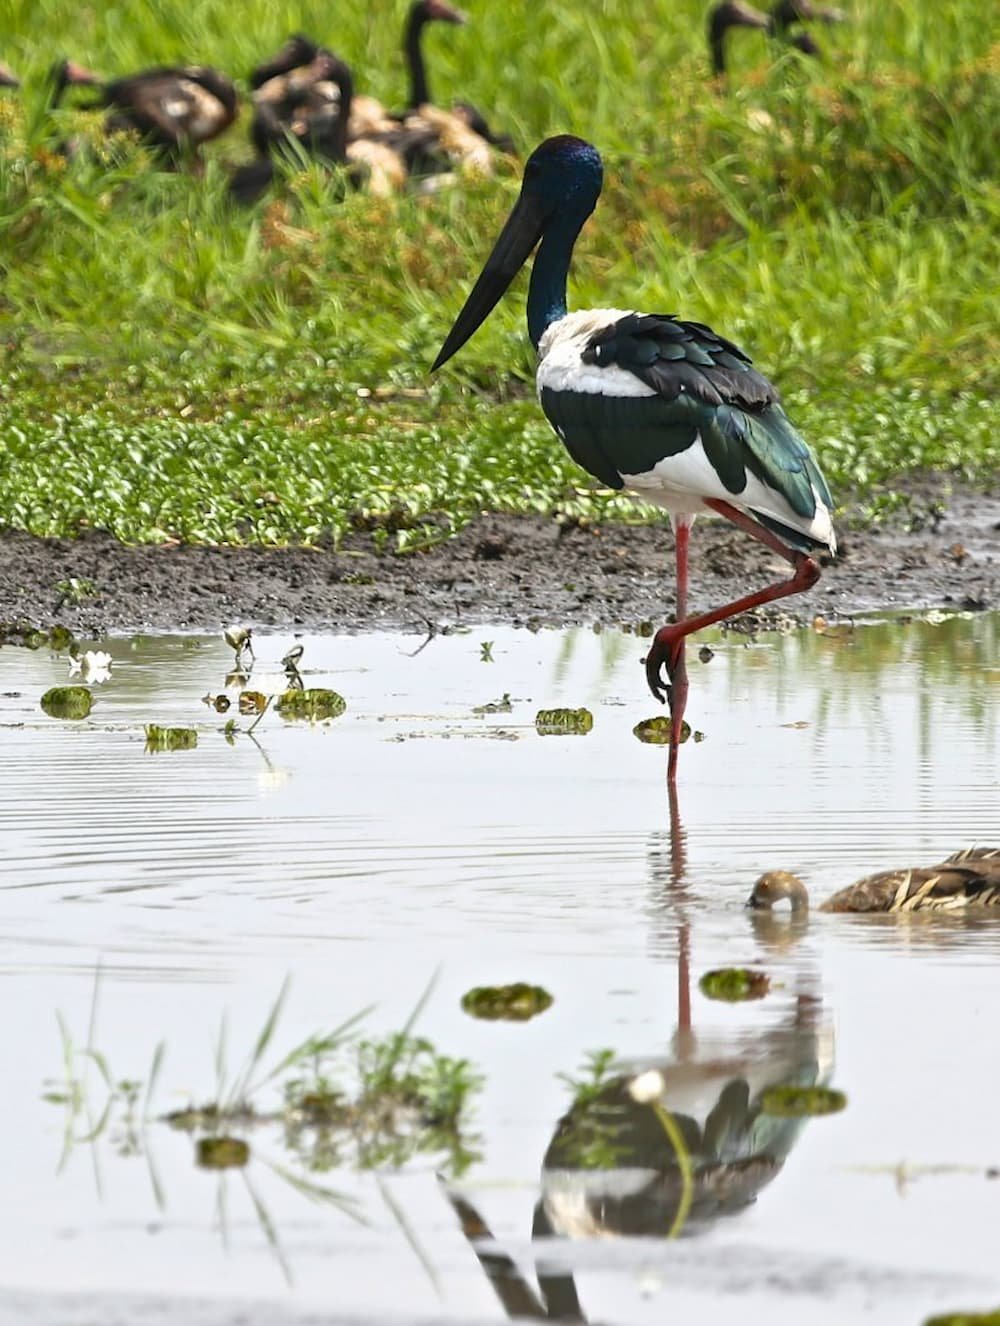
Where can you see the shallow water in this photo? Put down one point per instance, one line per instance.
(412, 836)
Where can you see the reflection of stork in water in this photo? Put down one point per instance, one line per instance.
(625, 1161)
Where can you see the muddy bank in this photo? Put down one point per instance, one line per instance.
(516, 569)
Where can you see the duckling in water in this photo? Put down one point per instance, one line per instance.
(970, 878)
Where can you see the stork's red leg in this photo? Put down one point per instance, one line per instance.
(666, 649)
(677, 665)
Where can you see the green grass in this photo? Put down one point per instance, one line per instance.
(170, 367)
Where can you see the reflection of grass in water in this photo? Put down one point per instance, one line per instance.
(591, 1136)
(113, 1107)
(342, 1102)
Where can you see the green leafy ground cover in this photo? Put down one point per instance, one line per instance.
(173, 367)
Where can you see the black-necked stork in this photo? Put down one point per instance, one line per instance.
(666, 409)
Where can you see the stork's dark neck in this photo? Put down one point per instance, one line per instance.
(413, 50)
(547, 289)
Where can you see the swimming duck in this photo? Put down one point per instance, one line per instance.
(970, 878)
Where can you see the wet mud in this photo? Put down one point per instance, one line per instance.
(520, 570)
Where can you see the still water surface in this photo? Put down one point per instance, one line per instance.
(412, 836)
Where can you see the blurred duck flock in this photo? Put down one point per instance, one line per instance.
(397, 648)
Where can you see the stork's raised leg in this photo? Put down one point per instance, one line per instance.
(667, 650)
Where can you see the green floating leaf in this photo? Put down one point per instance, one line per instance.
(734, 984)
(656, 731)
(170, 738)
(508, 1003)
(222, 1152)
(966, 1319)
(563, 722)
(799, 1102)
(315, 703)
(67, 702)
(60, 639)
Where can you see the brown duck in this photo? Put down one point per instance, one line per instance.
(173, 108)
(970, 878)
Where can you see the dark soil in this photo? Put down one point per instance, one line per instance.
(516, 569)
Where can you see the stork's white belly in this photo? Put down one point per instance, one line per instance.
(681, 484)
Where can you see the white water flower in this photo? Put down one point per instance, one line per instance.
(647, 1087)
(94, 665)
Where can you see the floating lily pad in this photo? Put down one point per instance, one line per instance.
(563, 722)
(966, 1319)
(67, 702)
(314, 703)
(656, 731)
(61, 639)
(508, 1003)
(252, 702)
(222, 1152)
(800, 1102)
(734, 984)
(170, 738)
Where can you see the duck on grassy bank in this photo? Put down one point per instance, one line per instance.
(174, 109)
(667, 410)
(784, 21)
(302, 106)
(970, 878)
(460, 137)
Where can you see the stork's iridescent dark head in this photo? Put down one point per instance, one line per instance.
(561, 186)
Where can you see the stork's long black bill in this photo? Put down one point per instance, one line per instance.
(518, 238)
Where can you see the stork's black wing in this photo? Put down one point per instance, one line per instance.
(705, 389)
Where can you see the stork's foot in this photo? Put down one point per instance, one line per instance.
(665, 656)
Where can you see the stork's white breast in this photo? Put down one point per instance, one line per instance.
(560, 357)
